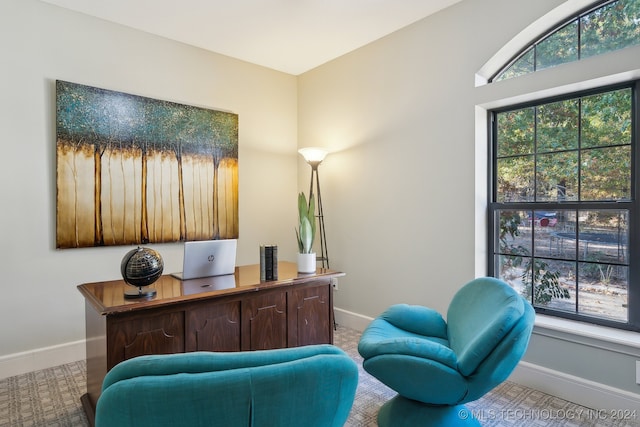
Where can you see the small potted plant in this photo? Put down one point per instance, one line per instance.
(306, 233)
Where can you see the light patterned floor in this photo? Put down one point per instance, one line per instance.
(508, 405)
(51, 398)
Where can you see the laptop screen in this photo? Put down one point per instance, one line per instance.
(206, 258)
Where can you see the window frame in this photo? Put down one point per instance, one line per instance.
(532, 46)
(632, 205)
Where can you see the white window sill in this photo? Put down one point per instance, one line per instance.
(582, 329)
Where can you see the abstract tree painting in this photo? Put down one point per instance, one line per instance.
(134, 170)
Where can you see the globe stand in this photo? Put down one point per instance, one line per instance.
(141, 292)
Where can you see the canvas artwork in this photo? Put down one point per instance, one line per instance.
(135, 170)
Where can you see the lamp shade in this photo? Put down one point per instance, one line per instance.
(313, 155)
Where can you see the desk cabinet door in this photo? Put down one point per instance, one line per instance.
(214, 327)
(264, 321)
(135, 336)
(311, 315)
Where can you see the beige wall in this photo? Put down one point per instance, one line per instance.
(405, 190)
(39, 303)
(400, 187)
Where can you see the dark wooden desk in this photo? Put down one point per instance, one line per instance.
(224, 313)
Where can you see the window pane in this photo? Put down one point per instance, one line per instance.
(563, 237)
(516, 132)
(606, 174)
(557, 177)
(604, 236)
(553, 284)
(515, 179)
(612, 27)
(558, 48)
(522, 66)
(509, 268)
(603, 291)
(514, 232)
(544, 225)
(513, 243)
(557, 127)
(606, 119)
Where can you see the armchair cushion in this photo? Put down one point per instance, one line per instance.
(383, 338)
(404, 359)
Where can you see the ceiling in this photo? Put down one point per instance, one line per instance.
(292, 36)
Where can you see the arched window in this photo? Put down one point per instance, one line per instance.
(609, 26)
(564, 180)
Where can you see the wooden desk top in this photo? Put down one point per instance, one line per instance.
(108, 297)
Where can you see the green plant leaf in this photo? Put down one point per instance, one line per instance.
(312, 217)
(305, 235)
(300, 245)
(306, 231)
(302, 206)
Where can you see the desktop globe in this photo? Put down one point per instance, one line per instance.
(141, 267)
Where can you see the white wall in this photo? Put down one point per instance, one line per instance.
(404, 190)
(39, 303)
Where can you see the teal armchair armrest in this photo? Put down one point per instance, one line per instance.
(417, 319)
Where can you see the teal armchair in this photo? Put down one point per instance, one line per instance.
(437, 365)
(311, 386)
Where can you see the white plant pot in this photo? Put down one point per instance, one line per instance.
(307, 263)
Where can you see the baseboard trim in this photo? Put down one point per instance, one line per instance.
(568, 387)
(575, 389)
(351, 320)
(42, 358)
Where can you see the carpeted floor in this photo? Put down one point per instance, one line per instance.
(509, 404)
(51, 397)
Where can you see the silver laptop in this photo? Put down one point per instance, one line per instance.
(206, 258)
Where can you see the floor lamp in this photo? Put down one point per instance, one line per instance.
(315, 156)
